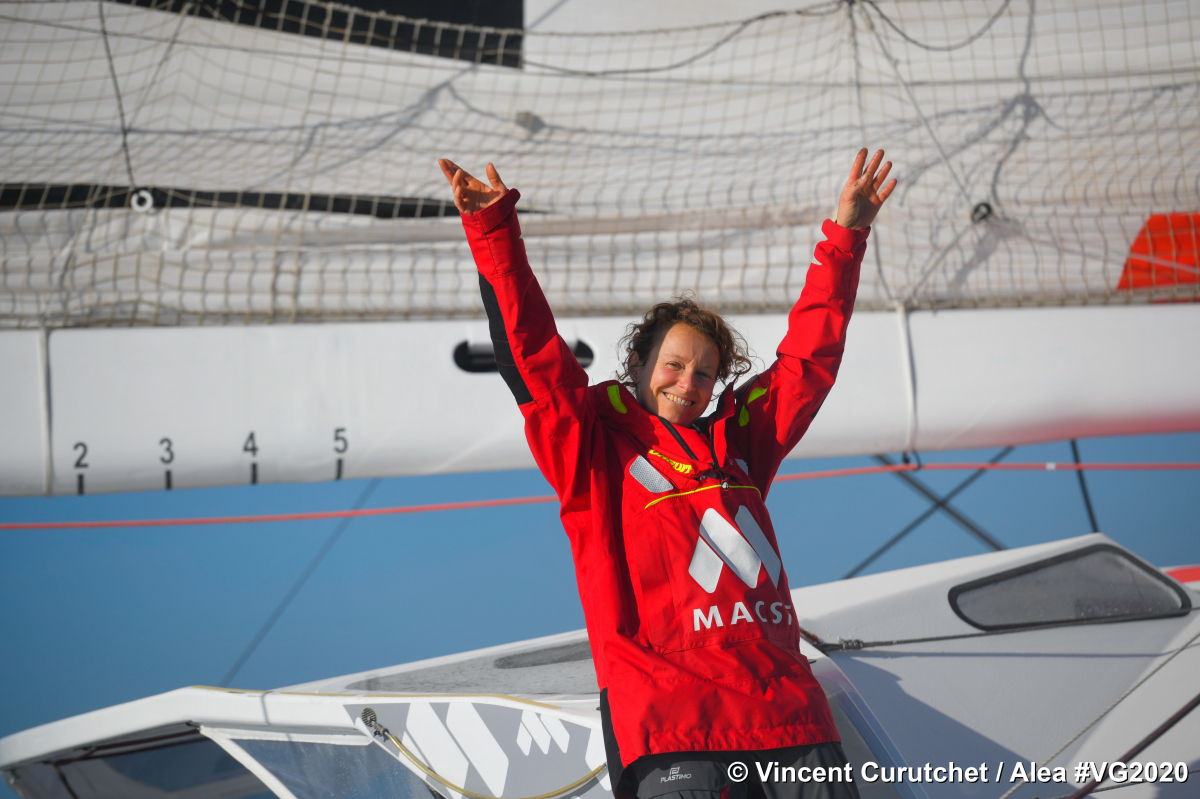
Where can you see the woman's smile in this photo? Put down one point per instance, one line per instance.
(681, 374)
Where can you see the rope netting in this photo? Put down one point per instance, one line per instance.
(259, 161)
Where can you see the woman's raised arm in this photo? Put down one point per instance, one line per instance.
(546, 380)
(777, 408)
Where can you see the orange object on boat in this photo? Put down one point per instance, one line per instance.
(1164, 253)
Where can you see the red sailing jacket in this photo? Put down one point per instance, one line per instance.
(686, 601)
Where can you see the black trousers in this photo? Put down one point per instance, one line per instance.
(818, 771)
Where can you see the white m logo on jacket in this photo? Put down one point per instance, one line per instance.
(721, 544)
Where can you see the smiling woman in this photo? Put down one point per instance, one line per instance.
(678, 379)
(659, 499)
(690, 350)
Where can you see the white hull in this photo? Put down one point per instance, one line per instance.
(962, 379)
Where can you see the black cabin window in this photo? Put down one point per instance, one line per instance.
(1097, 583)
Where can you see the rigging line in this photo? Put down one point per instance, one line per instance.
(945, 506)
(667, 67)
(300, 581)
(941, 256)
(1105, 712)
(283, 517)
(862, 113)
(68, 261)
(112, 71)
(917, 522)
(1048, 466)
(822, 9)
(737, 31)
(546, 14)
(855, 644)
(940, 48)
(183, 15)
(510, 501)
(1141, 745)
(912, 98)
(1156, 261)
(862, 124)
(1087, 500)
(1115, 787)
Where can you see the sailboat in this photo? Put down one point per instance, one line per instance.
(1012, 667)
(229, 258)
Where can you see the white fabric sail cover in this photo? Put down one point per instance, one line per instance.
(700, 156)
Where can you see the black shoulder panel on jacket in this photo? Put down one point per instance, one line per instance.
(741, 390)
(504, 357)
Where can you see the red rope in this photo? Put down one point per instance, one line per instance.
(1049, 466)
(281, 517)
(497, 503)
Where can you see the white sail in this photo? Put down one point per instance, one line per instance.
(702, 156)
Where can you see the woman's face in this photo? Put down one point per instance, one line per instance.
(680, 375)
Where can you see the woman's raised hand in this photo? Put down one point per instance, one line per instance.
(861, 198)
(469, 194)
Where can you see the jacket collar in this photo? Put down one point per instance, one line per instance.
(686, 445)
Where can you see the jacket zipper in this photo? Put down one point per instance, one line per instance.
(678, 438)
(716, 472)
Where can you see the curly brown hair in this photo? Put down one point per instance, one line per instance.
(641, 337)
